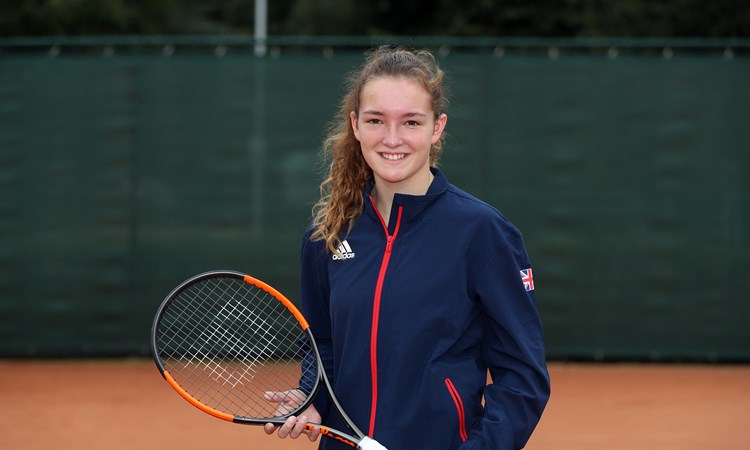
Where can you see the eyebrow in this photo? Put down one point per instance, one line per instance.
(379, 113)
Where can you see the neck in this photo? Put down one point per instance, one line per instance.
(382, 194)
(383, 202)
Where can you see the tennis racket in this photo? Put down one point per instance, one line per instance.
(225, 340)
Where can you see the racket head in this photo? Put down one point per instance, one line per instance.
(223, 339)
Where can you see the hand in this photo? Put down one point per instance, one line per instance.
(294, 426)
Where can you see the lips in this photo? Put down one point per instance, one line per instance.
(393, 156)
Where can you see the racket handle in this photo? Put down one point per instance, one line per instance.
(368, 443)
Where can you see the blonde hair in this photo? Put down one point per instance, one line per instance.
(341, 192)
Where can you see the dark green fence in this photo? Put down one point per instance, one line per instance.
(127, 166)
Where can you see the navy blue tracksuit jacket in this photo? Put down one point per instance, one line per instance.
(410, 318)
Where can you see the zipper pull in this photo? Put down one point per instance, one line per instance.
(389, 244)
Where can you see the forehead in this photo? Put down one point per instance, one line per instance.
(395, 93)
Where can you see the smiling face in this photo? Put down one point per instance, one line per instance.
(396, 126)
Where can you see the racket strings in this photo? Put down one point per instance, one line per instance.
(220, 329)
(227, 343)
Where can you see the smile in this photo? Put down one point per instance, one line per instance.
(393, 156)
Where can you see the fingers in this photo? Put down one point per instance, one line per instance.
(276, 397)
(269, 428)
(313, 433)
(293, 428)
(299, 427)
(293, 397)
(287, 401)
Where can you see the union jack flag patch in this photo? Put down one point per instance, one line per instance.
(527, 277)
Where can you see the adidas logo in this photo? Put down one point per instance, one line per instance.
(345, 250)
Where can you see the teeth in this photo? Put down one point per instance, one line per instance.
(393, 156)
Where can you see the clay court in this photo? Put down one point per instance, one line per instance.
(125, 404)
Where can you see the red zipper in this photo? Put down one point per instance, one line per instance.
(390, 238)
(459, 408)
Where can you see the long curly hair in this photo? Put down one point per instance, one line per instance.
(341, 192)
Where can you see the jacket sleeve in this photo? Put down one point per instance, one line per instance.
(512, 349)
(314, 295)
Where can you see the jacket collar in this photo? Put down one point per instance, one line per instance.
(413, 204)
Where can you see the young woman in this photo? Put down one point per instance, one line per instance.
(413, 288)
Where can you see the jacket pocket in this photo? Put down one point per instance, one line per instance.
(459, 408)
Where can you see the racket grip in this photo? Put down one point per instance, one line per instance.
(368, 443)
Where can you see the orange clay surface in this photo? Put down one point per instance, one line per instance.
(125, 404)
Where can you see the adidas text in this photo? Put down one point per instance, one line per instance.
(345, 250)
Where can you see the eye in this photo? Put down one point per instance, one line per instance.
(373, 121)
(412, 123)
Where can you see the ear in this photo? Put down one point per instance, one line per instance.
(440, 123)
(355, 125)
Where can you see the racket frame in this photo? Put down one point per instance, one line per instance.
(321, 377)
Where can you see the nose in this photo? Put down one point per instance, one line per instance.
(392, 138)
